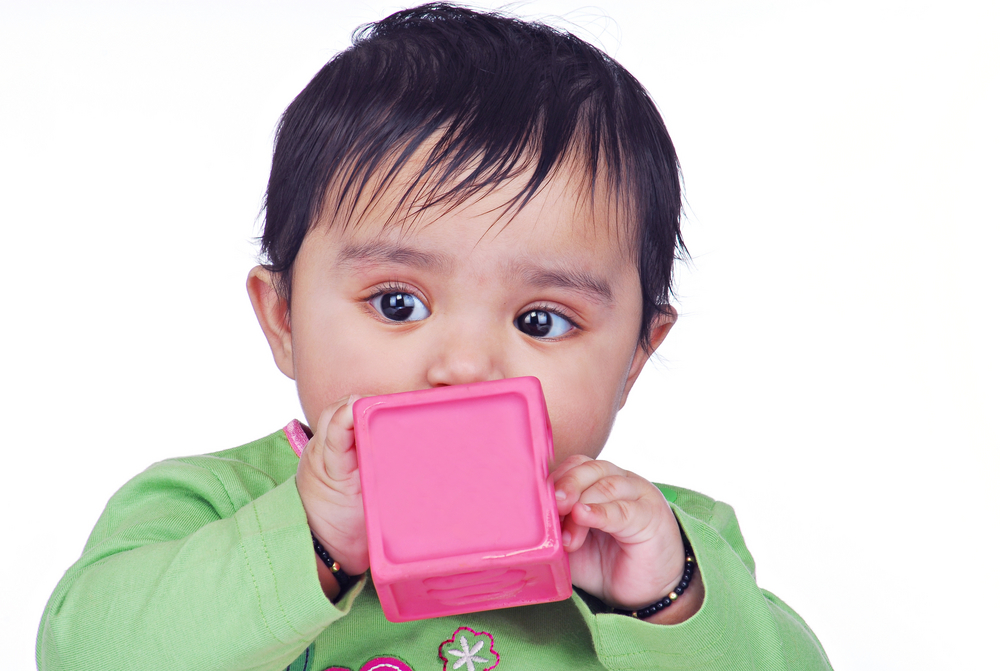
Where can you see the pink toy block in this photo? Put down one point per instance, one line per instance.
(459, 512)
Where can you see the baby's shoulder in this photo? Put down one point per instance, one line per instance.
(253, 468)
(271, 454)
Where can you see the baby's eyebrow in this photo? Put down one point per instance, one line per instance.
(579, 281)
(542, 277)
(383, 251)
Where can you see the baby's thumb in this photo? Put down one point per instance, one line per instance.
(336, 438)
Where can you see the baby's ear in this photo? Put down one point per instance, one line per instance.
(272, 314)
(658, 331)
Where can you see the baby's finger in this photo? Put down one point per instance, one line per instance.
(573, 534)
(568, 463)
(624, 487)
(573, 482)
(565, 500)
(624, 520)
(335, 439)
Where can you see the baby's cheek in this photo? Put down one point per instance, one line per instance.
(579, 430)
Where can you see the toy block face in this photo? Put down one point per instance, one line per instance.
(459, 514)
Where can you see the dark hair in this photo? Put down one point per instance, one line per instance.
(491, 97)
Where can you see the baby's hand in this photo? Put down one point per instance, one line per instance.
(330, 488)
(623, 541)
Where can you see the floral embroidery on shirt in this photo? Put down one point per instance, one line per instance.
(385, 664)
(467, 650)
(378, 664)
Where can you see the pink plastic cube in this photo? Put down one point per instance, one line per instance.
(459, 512)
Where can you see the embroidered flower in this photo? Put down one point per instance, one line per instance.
(378, 664)
(385, 664)
(467, 650)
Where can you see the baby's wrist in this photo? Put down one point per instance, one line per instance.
(685, 606)
(329, 585)
(675, 592)
(673, 600)
(330, 569)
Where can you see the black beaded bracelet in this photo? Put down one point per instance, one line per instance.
(340, 574)
(689, 566)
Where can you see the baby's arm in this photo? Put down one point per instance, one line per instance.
(329, 485)
(729, 622)
(199, 563)
(624, 542)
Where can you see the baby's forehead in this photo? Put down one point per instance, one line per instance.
(572, 208)
(561, 235)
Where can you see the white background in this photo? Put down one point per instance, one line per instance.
(833, 374)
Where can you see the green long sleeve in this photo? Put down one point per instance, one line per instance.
(196, 563)
(739, 625)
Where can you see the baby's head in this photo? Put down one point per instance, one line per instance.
(463, 197)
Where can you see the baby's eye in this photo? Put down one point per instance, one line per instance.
(400, 307)
(542, 324)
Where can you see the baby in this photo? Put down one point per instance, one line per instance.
(459, 197)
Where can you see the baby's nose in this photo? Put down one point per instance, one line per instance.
(470, 357)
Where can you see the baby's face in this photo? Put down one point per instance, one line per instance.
(458, 297)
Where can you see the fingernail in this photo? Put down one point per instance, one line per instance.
(567, 537)
(560, 495)
(586, 508)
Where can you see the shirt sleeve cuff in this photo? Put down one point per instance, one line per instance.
(279, 554)
(733, 629)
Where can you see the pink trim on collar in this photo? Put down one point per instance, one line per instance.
(297, 436)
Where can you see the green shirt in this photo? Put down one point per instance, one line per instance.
(206, 563)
